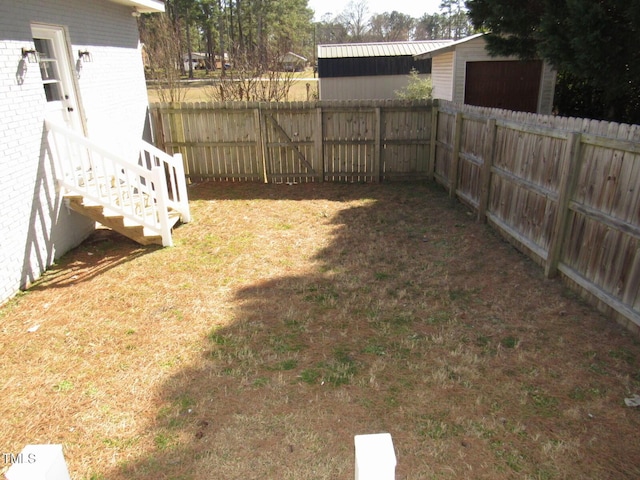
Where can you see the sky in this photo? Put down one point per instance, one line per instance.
(415, 8)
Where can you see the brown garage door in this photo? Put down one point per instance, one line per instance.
(513, 85)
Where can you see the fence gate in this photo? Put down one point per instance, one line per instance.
(290, 153)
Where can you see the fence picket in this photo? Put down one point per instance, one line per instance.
(568, 180)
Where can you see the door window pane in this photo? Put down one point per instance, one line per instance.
(49, 69)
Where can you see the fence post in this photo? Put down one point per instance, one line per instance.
(177, 124)
(319, 144)
(455, 156)
(375, 457)
(568, 179)
(157, 128)
(433, 140)
(377, 153)
(485, 174)
(261, 140)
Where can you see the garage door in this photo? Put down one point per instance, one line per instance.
(512, 85)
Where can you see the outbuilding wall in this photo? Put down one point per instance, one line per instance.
(381, 87)
(367, 77)
(442, 76)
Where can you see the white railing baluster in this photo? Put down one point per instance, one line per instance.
(181, 187)
(163, 211)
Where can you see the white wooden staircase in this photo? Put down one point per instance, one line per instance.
(143, 200)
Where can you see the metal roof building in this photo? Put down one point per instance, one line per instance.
(365, 71)
(380, 49)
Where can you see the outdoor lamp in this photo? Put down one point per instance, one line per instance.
(31, 54)
(85, 56)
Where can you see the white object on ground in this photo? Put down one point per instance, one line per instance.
(375, 457)
(39, 462)
(634, 401)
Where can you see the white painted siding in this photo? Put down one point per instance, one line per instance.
(380, 87)
(547, 89)
(35, 226)
(442, 74)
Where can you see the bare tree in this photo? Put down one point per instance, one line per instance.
(253, 80)
(354, 17)
(162, 54)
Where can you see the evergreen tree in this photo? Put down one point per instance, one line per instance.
(594, 45)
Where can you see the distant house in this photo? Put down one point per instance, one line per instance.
(464, 72)
(370, 71)
(72, 79)
(292, 62)
(198, 60)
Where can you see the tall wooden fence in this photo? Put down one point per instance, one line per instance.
(565, 191)
(297, 141)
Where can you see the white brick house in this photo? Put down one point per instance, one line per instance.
(76, 63)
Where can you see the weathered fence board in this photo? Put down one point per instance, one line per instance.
(349, 138)
(405, 138)
(566, 191)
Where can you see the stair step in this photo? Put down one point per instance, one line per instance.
(118, 222)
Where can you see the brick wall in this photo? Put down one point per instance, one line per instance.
(35, 226)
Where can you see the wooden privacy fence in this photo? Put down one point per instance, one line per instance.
(297, 141)
(565, 191)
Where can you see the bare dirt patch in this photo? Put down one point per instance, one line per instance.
(289, 318)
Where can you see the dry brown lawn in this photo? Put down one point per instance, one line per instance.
(289, 318)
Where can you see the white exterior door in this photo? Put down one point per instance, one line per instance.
(57, 72)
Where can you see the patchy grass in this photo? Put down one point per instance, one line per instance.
(288, 319)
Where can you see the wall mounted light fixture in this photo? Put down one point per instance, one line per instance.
(85, 56)
(31, 54)
(135, 12)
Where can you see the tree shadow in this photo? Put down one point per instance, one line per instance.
(101, 251)
(256, 190)
(52, 228)
(283, 387)
(404, 321)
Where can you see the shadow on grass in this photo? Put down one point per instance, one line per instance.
(407, 318)
(103, 250)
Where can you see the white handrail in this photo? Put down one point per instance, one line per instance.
(141, 192)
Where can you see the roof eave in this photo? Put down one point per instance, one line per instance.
(433, 53)
(143, 6)
(447, 48)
